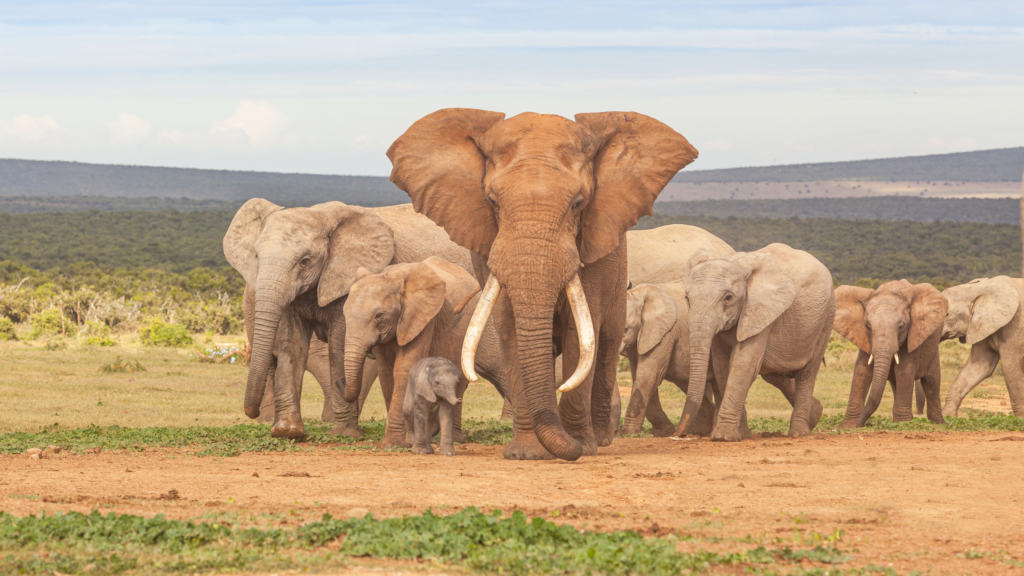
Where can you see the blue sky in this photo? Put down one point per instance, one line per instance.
(325, 87)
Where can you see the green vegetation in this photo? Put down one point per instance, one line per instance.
(156, 332)
(999, 165)
(907, 208)
(870, 252)
(512, 544)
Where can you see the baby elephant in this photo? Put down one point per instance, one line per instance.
(430, 396)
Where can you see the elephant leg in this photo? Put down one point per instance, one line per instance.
(745, 364)
(421, 426)
(981, 363)
(787, 386)
(293, 347)
(661, 426)
(1013, 373)
(858, 391)
(446, 417)
(456, 427)
(267, 403)
(648, 374)
(507, 413)
(319, 365)
(574, 408)
(905, 379)
(606, 403)
(919, 397)
(346, 414)
(932, 386)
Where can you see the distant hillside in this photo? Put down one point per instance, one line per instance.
(906, 208)
(1000, 165)
(34, 178)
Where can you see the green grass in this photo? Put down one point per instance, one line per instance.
(494, 542)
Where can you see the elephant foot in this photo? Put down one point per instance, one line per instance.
(525, 446)
(726, 434)
(288, 429)
(420, 449)
(394, 439)
(936, 418)
(447, 450)
(949, 412)
(849, 423)
(349, 430)
(631, 430)
(796, 430)
(902, 417)
(587, 439)
(458, 437)
(664, 431)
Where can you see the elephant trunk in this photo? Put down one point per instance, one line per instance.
(700, 356)
(266, 318)
(355, 357)
(880, 374)
(534, 308)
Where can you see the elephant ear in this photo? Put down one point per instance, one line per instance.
(636, 157)
(850, 321)
(460, 285)
(927, 313)
(240, 239)
(657, 317)
(425, 389)
(995, 305)
(437, 163)
(358, 239)
(422, 297)
(770, 292)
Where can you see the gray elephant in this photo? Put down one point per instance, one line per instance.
(431, 397)
(300, 264)
(766, 312)
(988, 314)
(657, 344)
(897, 327)
(407, 312)
(318, 364)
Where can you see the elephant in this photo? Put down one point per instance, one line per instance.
(299, 264)
(318, 364)
(656, 342)
(897, 327)
(766, 312)
(405, 313)
(430, 401)
(544, 203)
(988, 314)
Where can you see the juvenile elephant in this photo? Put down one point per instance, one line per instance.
(299, 264)
(987, 314)
(405, 313)
(897, 328)
(657, 344)
(431, 398)
(767, 312)
(544, 203)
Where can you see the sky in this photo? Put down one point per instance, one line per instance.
(325, 87)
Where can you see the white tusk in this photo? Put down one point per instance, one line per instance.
(897, 357)
(871, 359)
(476, 327)
(585, 331)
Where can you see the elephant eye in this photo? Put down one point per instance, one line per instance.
(492, 201)
(728, 297)
(577, 201)
(378, 316)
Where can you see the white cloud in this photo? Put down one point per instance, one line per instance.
(262, 123)
(128, 129)
(33, 128)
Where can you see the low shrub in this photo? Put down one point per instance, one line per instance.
(49, 322)
(96, 334)
(7, 329)
(121, 365)
(156, 332)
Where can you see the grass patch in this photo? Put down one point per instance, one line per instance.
(495, 542)
(221, 440)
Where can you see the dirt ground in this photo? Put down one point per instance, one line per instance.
(939, 503)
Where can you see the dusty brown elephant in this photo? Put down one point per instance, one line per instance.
(403, 314)
(300, 264)
(988, 314)
(767, 312)
(544, 203)
(897, 328)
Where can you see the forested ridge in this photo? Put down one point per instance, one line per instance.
(863, 251)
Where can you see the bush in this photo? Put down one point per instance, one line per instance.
(156, 332)
(7, 329)
(97, 334)
(49, 322)
(120, 365)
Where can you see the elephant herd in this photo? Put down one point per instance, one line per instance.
(537, 210)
